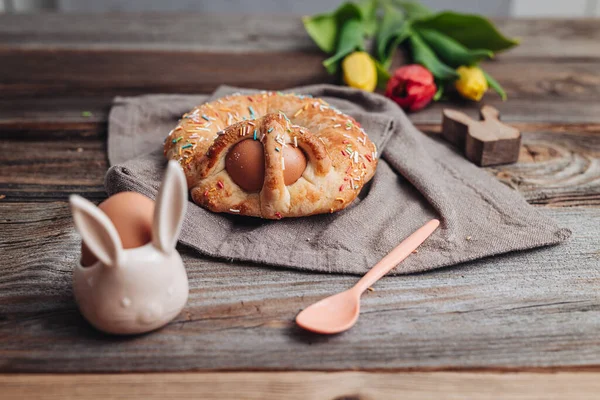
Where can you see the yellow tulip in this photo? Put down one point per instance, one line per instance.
(359, 71)
(472, 83)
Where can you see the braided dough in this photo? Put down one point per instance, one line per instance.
(340, 156)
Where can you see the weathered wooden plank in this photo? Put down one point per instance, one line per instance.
(556, 169)
(502, 312)
(540, 38)
(47, 72)
(558, 165)
(305, 386)
(47, 168)
(34, 84)
(54, 115)
(172, 31)
(552, 38)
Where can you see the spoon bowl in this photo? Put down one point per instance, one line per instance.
(333, 314)
(340, 312)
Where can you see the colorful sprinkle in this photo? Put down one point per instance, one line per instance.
(220, 185)
(276, 148)
(255, 132)
(177, 140)
(187, 146)
(270, 130)
(285, 116)
(205, 117)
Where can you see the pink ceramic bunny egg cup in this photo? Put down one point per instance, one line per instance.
(135, 290)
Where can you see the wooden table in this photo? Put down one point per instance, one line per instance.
(487, 329)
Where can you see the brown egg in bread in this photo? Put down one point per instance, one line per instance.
(272, 155)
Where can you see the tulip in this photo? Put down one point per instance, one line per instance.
(359, 71)
(472, 83)
(412, 87)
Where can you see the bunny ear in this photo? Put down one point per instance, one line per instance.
(97, 231)
(169, 211)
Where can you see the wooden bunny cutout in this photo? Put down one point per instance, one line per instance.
(135, 290)
(486, 142)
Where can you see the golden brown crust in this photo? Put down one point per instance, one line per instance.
(341, 158)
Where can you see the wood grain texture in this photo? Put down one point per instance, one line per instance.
(56, 56)
(153, 31)
(543, 38)
(539, 91)
(305, 386)
(47, 168)
(46, 72)
(52, 115)
(540, 38)
(558, 165)
(494, 313)
(556, 169)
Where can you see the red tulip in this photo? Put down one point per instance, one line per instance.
(412, 87)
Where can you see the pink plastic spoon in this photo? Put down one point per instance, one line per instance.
(339, 312)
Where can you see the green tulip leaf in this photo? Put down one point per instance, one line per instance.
(325, 29)
(495, 85)
(383, 76)
(439, 92)
(351, 39)
(472, 31)
(422, 54)
(450, 51)
(369, 16)
(414, 9)
(394, 29)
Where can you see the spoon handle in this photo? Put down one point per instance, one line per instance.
(396, 256)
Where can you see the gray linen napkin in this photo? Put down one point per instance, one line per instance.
(418, 178)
